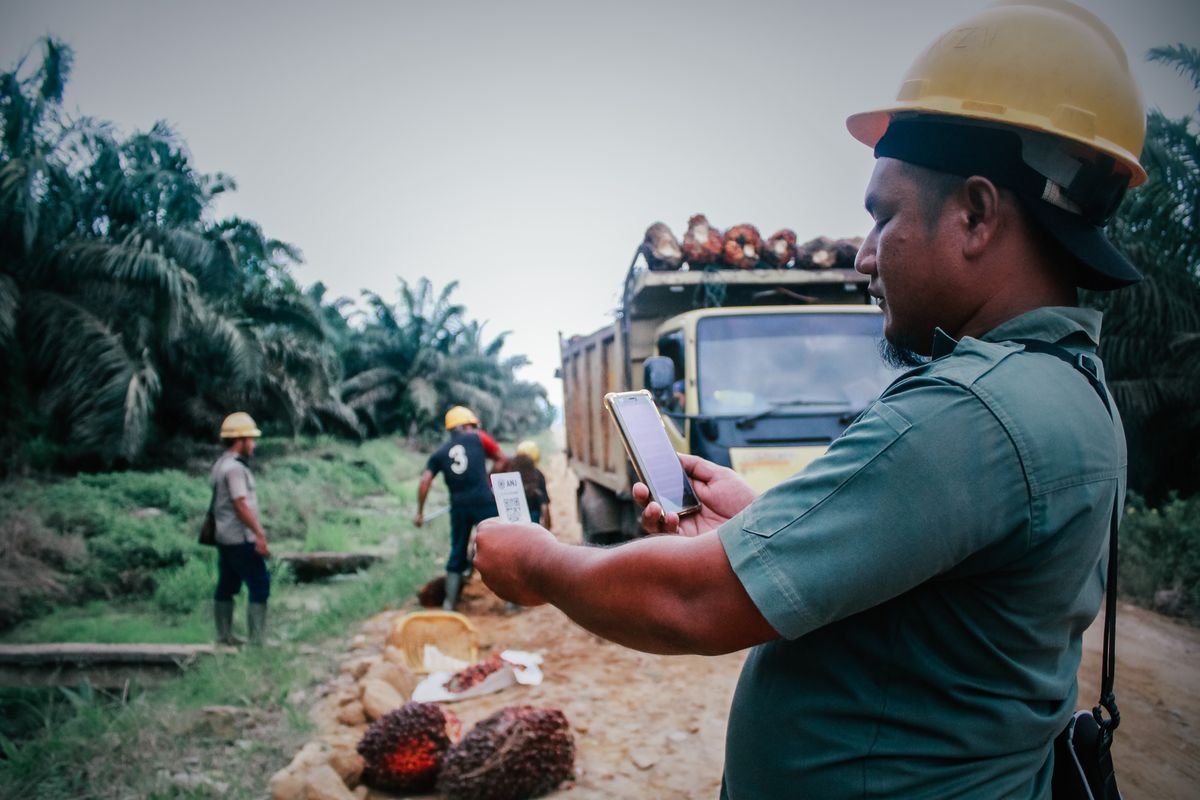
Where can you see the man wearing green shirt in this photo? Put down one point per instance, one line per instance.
(916, 597)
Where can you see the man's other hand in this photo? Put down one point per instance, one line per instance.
(501, 549)
(419, 519)
(260, 547)
(721, 491)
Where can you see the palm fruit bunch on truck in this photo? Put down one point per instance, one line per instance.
(661, 248)
(826, 253)
(702, 243)
(741, 247)
(780, 249)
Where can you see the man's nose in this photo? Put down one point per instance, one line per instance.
(864, 261)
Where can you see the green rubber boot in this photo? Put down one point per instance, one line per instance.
(223, 616)
(256, 623)
(454, 582)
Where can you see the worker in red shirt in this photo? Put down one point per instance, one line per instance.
(462, 461)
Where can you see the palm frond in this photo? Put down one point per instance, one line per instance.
(369, 399)
(135, 260)
(333, 413)
(10, 298)
(213, 337)
(368, 380)
(84, 368)
(424, 397)
(140, 397)
(482, 402)
(293, 310)
(1186, 60)
(190, 249)
(56, 67)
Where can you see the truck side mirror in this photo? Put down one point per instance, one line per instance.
(658, 374)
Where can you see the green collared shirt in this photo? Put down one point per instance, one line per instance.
(931, 577)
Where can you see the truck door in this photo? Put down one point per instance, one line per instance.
(672, 345)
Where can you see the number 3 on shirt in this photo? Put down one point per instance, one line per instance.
(458, 459)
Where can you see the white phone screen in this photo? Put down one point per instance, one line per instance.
(658, 461)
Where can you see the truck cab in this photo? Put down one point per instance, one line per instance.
(766, 390)
(759, 370)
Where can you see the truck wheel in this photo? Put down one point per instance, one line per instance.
(600, 514)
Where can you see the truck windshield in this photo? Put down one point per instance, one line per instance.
(789, 363)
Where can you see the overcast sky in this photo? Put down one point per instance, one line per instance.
(521, 148)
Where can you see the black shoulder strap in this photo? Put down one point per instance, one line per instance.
(1085, 364)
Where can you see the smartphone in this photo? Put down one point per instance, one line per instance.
(654, 459)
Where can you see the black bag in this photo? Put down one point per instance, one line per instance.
(1083, 765)
(208, 528)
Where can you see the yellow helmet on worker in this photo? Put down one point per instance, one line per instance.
(530, 448)
(1037, 96)
(459, 416)
(239, 425)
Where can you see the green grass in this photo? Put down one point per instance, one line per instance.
(127, 623)
(104, 746)
(1160, 550)
(140, 527)
(145, 580)
(134, 744)
(85, 743)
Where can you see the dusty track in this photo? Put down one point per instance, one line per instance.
(654, 726)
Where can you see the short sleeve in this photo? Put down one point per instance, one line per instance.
(235, 479)
(490, 446)
(434, 464)
(923, 480)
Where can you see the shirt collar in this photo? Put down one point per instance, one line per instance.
(1048, 324)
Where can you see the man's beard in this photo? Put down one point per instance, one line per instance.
(899, 356)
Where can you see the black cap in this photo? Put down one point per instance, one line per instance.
(1071, 215)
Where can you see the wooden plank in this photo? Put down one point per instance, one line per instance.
(103, 665)
(323, 564)
(91, 653)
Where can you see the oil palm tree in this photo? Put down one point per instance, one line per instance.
(122, 311)
(416, 358)
(1151, 344)
(391, 364)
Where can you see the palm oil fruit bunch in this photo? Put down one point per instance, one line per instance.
(742, 247)
(403, 749)
(517, 753)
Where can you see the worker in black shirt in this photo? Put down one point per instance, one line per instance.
(462, 461)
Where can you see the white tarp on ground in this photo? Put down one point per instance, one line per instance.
(517, 667)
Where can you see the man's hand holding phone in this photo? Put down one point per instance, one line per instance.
(721, 491)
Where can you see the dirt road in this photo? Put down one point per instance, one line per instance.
(654, 726)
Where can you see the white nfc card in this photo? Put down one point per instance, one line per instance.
(510, 497)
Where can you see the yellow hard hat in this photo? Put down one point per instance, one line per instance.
(239, 425)
(530, 448)
(1040, 65)
(460, 415)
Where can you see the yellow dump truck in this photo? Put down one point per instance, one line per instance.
(758, 370)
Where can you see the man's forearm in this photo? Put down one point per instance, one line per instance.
(663, 594)
(248, 517)
(423, 491)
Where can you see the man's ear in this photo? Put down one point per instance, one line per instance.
(981, 202)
